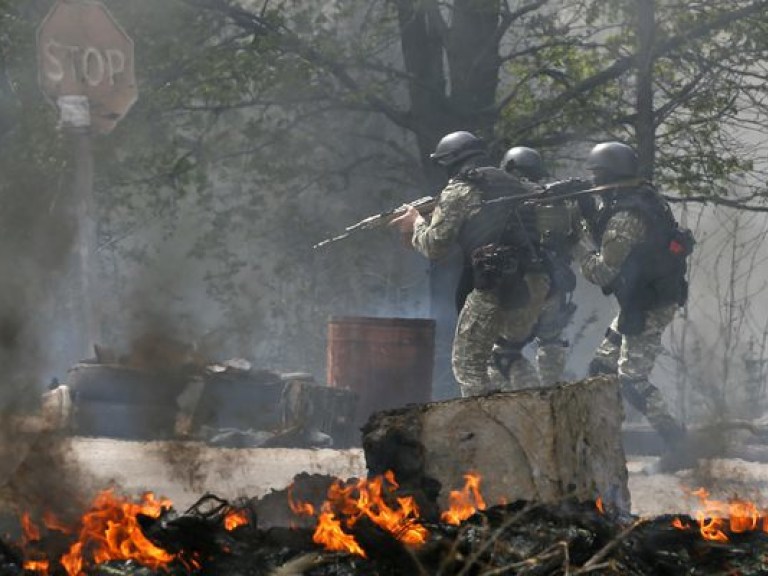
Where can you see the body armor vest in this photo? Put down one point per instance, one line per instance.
(653, 274)
(505, 225)
(512, 226)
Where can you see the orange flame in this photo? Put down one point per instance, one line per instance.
(677, 523)
(110, 531)
(51, 522)
(235, 519)
(30, 531)
(599, 505)
(297, 507)
(715, 517)
(345, 505)
(330, 534)
(40, 566)
(465, 502)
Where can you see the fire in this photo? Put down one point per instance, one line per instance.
(51, 522)
(40, 566)
(30, 531)
(330, 533)
(716, 517)
(299, 508)
(465, 502)
(599, 505)
(372, 498)
(235, 518)
(110, 531)
(31, 534)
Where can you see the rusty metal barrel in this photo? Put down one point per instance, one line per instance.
(387, 362)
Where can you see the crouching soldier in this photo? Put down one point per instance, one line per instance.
(640, 259)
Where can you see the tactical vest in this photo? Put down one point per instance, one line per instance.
(506, 225)
(653, 273)
(500, 224)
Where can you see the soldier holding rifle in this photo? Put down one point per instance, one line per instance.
(506, 279)
(639, 256)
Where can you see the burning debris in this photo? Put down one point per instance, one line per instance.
(463, 487)
(368, 527)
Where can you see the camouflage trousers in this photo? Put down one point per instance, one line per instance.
(482, 321)
(632, 357)
(510, 370)
(552, 350)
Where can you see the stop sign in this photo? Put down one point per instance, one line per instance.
(83, 51)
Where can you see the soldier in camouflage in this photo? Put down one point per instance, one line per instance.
(641, 259)
(504, 285)
(557, 226)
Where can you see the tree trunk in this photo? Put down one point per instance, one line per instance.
(473, 58)
(537, 445)
(422, 47)
(645, 126)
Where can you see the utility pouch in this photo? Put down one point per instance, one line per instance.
(492, 265)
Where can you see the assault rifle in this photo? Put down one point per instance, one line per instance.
(560, 190)
(424, 205)
(564, 190)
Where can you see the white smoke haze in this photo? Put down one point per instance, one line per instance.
(224, 267)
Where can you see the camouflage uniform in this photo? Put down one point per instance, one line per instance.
(483, 318)
(631, 355)
(558, 225)
(508, 369)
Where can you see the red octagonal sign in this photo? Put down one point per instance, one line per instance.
(83, 51)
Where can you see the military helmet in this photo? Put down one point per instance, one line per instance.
(524, 160)
(613, 159)
(456, 147)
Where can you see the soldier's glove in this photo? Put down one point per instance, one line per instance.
(491, 264)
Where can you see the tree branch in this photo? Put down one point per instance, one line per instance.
(291, 42)
(622, 65)
(719, 201)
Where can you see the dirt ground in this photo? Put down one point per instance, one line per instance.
(183, 472)
(655, 494)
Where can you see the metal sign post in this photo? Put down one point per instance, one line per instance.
(76, 120)
(86, 69)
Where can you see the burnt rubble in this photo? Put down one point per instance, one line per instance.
(568, 537)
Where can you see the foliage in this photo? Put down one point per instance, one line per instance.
(263, 127)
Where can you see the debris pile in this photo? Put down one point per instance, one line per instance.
(378, 531)
(229, 404)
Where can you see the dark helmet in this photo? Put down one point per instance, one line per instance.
(613, 160)
(456, 147)
(524, 160)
